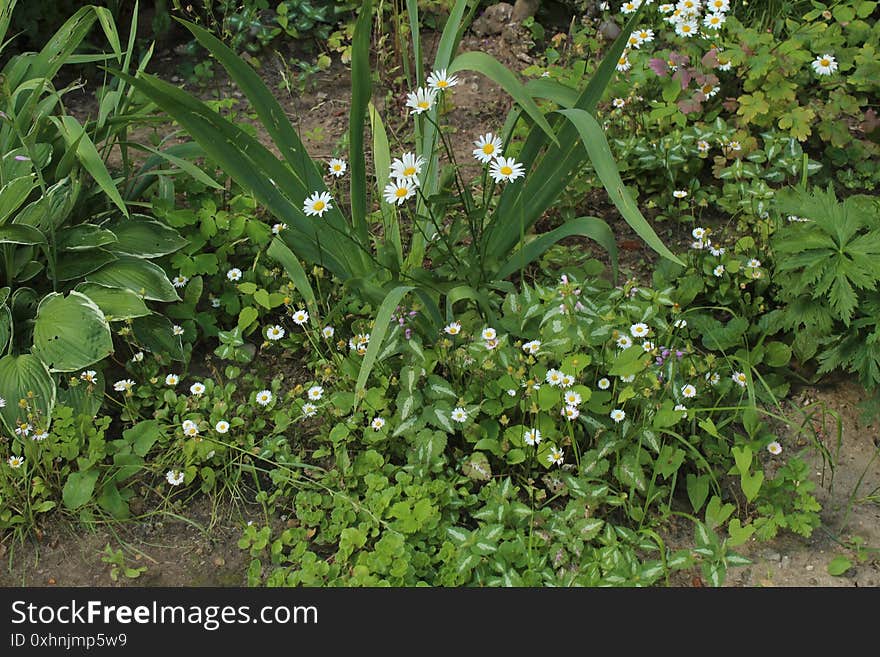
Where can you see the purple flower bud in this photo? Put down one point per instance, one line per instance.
(658, 360)
(22, 158)
(407, 334)
(678, 353)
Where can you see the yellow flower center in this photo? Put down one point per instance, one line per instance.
(409, 171)
(633, 40)
(401, 192)
(442, 83)
(622, 61)
(506, 170)
(337, 167)
(424, 105)
(319, 205)
(685, 28)
(488, 149)
(824, 62)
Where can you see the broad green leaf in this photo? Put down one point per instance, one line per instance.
(145, 239)
(697, 490)
(25, 377)
(361, 90)
(71, 333)
(380, 329)
(591, 227)
(156, 334)
(14, 193)
(143, 436)
(74, 265)
(20, 234)
(83, 237)
(140, 276)
(504, 77)
(594, 141)
(116, 303)
(5, 327)
(839, 565)
(78, 488)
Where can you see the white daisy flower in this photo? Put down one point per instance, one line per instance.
(754, 263)
(717, 252)
(679, 193)
(666, 7)
(222, 426)
(567, 381)
(40, 436)
(190, 429)
(337, 167)
(624, 342)
(511, 392)
(399, 191)
(709, 90)
(713, 378)
(489, 334)
(617, 415)
(89, 375)
(488, 147)
(506, 169)
(532, 437)
(734, 146)
(171, 380)
(618, 103)
(571, 398)
(328, 332)
(179, 281)
(604, 383)
(688, 6)
(648, 346)
(421, 100)
(439, 80)
(718, 271)
(824, 65)
(532, 347)
(687, 28)
(555, 456)
(703, 146)
(630, 7)
(274, 332)
(176, 330)
(739, 378)
(317, 204)
(15, 462)
(277, 228)
(309, 410)
(570, 413)
(683, 408)
(174, 477)
(197, 389)
(491, 344)
(714, 21)
(377, 423)
(264, 397)
(724, 65)
(639, 330)
(234, 274)
(774, 448)
(408, 167)
(123, 385)
(628, 378)
(646, 35)
(688, 391)
(623, 63)
(299, 317)
(718, 6)
(315, 393)
(453, 328)
(23, 429)
(553, 377)
(459, 414)
(634, 41)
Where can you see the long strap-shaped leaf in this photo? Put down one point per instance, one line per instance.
(504, 77)
(596, 145)
(538, 192)
(253, 167)
(592, 227)
(267, 107)
(377, 335)
(297, 274)
(361, 90)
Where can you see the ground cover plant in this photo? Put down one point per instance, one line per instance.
(426, 359)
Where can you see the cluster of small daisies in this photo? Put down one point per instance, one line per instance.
(686, 19)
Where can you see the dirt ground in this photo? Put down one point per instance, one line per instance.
(203, 551)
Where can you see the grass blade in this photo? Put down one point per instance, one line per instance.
(596, 145)
(592, 227)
